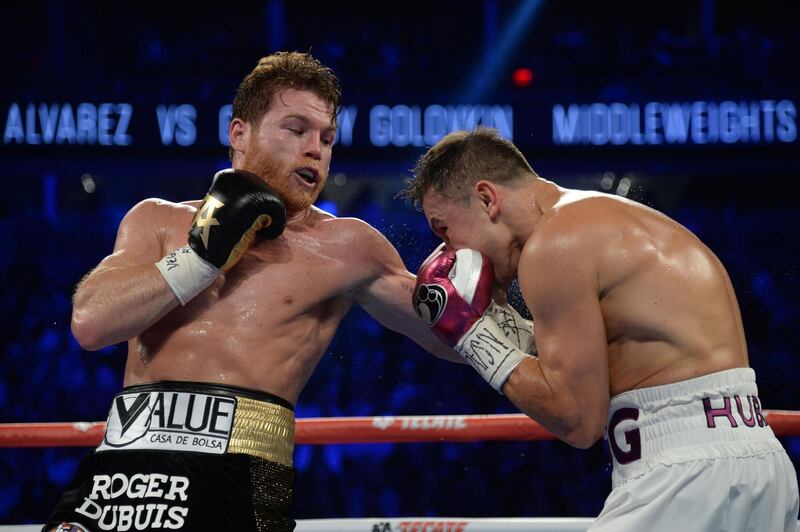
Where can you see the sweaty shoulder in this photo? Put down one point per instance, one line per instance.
(159, 212)
(578, 221)
(356, 232)
(578, 234)
(155, 217)
(610, 237)
(363, 245)
(159, 208)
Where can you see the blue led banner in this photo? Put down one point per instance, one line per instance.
(176, 126)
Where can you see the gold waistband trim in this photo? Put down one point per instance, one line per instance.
(263, 429)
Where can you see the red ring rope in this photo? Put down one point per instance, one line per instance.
(395, 429)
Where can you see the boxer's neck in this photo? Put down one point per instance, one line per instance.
(523, 209)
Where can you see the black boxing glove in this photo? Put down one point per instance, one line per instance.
(238, 206)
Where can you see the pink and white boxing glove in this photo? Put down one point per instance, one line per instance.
(453, 295)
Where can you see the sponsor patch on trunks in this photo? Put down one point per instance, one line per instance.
(169, 421)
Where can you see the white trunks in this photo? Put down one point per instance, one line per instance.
(697, 455)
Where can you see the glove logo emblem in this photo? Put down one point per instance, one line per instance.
(429, 302)
(205, 217)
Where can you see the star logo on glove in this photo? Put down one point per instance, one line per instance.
(205, 217)
(429, 302)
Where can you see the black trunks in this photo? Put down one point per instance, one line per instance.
(187, 456)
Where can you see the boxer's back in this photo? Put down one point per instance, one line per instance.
(668, 304)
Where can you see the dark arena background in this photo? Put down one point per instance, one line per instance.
(686, 106)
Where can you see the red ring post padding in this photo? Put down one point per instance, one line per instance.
(386, 429)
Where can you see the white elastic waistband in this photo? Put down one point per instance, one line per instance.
(714, 416)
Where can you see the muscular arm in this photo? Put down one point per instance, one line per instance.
(125, 294)
(566, 387)
(386, 296)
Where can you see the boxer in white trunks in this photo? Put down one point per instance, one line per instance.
(638, 335)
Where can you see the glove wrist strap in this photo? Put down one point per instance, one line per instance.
(186, 273)
(487, 349)
(516, 328)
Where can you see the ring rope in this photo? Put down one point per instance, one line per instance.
(332, 430)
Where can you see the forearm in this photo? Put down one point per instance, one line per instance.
(555, 409)
(399, 316)
(114, 304)
(431, 343)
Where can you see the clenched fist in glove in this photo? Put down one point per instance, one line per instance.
(453, 295)
(238, 206)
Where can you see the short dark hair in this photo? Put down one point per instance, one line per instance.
(284, 70)
(461, 159)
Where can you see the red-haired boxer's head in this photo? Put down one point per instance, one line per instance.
(283, 125)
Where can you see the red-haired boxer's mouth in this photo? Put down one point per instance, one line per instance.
(307, 176)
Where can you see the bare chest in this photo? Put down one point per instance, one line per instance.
(278, 281)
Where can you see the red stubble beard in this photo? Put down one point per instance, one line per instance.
(281, 180)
